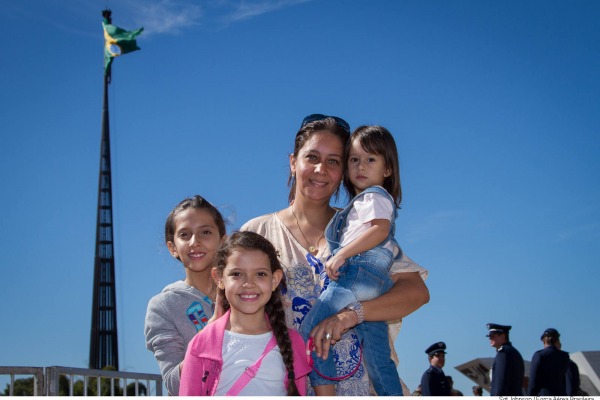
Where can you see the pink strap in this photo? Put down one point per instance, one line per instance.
(309, 347)
(250, 372)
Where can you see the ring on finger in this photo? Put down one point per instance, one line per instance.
(328, 336)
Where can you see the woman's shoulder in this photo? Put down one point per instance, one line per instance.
(259, 224)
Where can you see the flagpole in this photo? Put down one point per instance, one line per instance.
(104, 349)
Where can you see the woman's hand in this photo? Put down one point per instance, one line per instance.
(408, 294)
(336, 326)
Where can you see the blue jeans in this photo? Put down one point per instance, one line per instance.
(363, 277)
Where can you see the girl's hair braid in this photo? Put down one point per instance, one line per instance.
(274, 310)
(274, 307)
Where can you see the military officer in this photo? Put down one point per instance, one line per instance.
(508, 370)
(573, 381)
(549, 366)
(433, 381)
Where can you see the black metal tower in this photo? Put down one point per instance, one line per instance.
(104, 349)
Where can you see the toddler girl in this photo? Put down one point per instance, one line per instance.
(361, 240)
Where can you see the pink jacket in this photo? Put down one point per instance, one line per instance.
(203, 360)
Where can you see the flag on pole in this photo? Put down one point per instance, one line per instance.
(117, 41)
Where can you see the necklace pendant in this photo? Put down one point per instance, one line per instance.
(312, 249)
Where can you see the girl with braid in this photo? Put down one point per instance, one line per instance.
(249, 350)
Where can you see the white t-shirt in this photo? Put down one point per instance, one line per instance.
(240, 352)
(369, 207)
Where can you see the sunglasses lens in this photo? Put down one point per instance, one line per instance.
(317, 117)
(312, 118)
(342, 123)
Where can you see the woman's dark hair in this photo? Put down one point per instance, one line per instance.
(378, 140)
(196, 202)
(304, 134)
(247, 240)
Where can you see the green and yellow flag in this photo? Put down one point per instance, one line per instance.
(117, 41)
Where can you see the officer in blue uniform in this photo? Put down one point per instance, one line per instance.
(433, 381)
(508, 370)
(573, 381)
(549, 366)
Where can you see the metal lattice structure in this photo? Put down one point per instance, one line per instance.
(104, 349)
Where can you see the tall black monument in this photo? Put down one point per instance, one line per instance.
(104, 348)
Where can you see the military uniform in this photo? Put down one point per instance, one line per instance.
(508, 370)
(573, 380)
(548, 370)
(433, 381)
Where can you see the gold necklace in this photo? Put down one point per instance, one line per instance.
(314, 248)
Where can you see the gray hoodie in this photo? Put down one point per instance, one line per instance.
(173, 317)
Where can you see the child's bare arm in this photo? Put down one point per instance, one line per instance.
(373, 236)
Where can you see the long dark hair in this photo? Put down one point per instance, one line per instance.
(274, 307)
(304, 134)
(378, 140)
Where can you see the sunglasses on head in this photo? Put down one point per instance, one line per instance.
(317, 117)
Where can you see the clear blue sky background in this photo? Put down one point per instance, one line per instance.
(494, 107)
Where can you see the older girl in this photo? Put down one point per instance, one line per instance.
(193, 232)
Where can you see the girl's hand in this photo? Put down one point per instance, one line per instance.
(336, 326)
(333, 265)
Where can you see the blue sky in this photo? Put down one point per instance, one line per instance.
(494, 107)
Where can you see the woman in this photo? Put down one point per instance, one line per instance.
(316, 171)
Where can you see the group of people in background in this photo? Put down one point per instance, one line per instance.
(338, 277)
(552, 372)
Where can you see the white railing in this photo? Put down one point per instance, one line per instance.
(36, 372)
(81, 381)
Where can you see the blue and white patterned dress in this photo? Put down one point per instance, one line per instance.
(305, 278)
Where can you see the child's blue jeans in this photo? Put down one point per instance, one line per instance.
(363, 277)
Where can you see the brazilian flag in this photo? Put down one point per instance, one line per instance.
(117, 41)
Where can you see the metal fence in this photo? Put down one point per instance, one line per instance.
(36, 372)
(81, 381)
